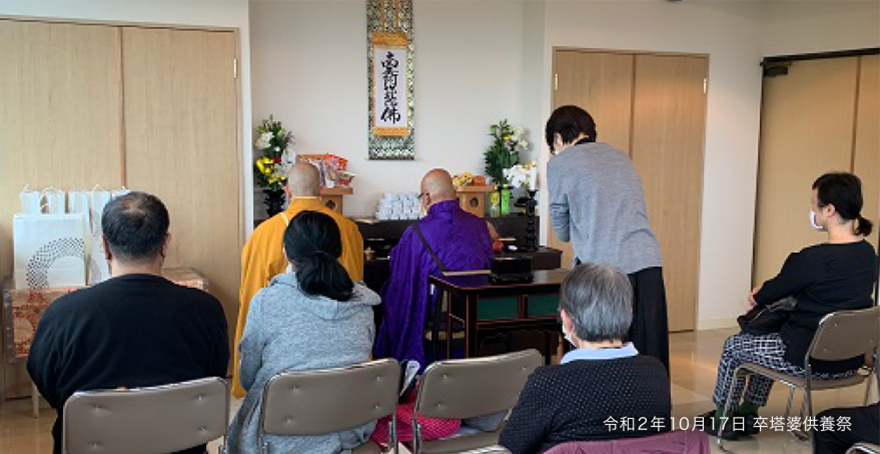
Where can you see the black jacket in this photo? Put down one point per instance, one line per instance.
(823, 278)
(130, 331)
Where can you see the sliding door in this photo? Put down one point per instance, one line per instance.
(181, 135)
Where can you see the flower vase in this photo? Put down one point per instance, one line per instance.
(505, 200)
(495, 203)
(274, 201)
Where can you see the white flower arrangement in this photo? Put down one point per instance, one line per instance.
(518, 175)
(264, 141)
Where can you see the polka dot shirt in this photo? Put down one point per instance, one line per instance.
(573, 402)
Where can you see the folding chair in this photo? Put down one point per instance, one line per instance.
(154, 420)
(840, 336)
(466, 388)
(331, 400)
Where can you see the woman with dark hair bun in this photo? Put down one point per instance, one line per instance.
(824, 278)
(313, 317)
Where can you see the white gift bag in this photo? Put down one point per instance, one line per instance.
(98, 268)
(78, 202)
(55, 201)
(49, 250)
(31, 201)
(119, 192)
(98, 199)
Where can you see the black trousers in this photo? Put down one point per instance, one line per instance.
(865, 427)
(650, 328)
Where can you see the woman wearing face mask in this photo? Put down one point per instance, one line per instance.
(603, 377)
(831, 276)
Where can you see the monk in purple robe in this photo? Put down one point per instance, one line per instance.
(460, 241)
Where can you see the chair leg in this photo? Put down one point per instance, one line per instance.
(736, 374)
(417, 437)
(808, 396)
(790, 400)
(35, 400)
(800, 435)
(392, 431)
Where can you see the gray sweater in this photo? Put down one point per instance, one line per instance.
(288, 330)
(597, 204)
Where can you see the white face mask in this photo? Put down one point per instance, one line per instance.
(567, 336)
(813, 222)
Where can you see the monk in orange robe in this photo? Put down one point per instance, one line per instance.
(263, 256)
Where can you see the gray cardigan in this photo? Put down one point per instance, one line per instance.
(288, 330)
(597, 203)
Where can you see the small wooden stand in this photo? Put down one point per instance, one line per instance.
(473, 199)
(332, 197)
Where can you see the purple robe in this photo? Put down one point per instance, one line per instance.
(461, 242)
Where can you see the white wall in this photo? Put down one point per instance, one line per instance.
(798, 27)
(310, 71)
(480, 61)
(730, 32)
(223, 13)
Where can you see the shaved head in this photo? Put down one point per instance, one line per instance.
(437, 184)
(303, 180)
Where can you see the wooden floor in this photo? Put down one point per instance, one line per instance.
(694, 366)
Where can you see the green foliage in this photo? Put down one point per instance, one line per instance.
(504, 151)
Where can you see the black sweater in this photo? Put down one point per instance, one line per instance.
(572, 402)
(130, 331)
(823, 278)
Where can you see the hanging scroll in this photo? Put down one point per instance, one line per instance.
(390, 55)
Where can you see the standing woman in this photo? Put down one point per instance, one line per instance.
(597, 204)
(314, 317)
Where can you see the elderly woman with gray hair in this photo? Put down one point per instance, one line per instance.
(603, 389)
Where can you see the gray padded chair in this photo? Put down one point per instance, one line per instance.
(864, 448)
(153, 420)
(841, 335)
(466, 388)
(331, 400)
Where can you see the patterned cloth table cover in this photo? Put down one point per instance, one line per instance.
(22, 309)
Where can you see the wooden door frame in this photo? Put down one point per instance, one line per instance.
(180, 27)
(636, 53)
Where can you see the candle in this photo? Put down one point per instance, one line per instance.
(533, 176)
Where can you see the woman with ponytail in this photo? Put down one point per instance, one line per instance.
(312, 317)
(832, 276)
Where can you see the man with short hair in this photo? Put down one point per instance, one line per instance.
(460, 242)
(263, 256)
(134, 330)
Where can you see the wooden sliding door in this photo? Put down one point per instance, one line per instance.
(181, 135)
(652, 107)
(59, 124)
(60, 121)
(669, 117)
(866, 144)
(601, 83)
(153, 108)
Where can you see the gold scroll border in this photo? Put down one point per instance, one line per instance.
(391, 41)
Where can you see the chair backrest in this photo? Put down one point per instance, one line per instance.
(330, 400)
(846, 334)
(864, 448)
(153, 420)
(465, 388)
(674, 442)
(497, 449)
